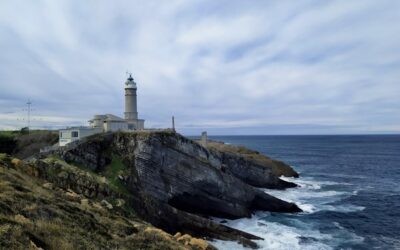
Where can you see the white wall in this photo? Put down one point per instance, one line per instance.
(65, 135)
(111, 126)
(140, 124)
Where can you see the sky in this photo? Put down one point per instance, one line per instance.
(227, 67)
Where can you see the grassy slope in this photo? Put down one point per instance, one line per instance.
(113, 172)
(35, 213)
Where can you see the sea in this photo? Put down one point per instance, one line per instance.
(349, 190)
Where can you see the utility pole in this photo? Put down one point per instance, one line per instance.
(29, 103)
(27, 117)
(173, 123)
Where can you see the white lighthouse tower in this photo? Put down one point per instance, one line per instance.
(130, 99)
(131, 114)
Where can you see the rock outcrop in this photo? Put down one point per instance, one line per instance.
(254, 174)
(252, 167)
(182, 173)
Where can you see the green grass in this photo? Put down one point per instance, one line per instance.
(112, 171)
(13, 133)
(8, 133)
(81, 167)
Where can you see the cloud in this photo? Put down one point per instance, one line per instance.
(305, 66)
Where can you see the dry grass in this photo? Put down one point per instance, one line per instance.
(22, 219)
(278, 168)
(30, 144)
(33, 216)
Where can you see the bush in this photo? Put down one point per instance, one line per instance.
(24, 131)
(8, 143)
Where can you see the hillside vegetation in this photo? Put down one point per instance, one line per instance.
(36, 213)
(23, 144)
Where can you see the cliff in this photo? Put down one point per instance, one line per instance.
(165, 179)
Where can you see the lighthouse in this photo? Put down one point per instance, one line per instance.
(130, 99)
(131, 114)
(108, 122)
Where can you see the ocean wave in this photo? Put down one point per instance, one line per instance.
(309, 208)
(343, 208)
(277, 235)
(313, 196)
(311, 182)
(294, 231)
(289, 233)
(283, 233)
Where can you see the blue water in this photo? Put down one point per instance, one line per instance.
(349, 190)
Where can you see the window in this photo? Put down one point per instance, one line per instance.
(74, 134)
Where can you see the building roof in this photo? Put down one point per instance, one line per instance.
(77, 128)
(113, 118)
(107, 117)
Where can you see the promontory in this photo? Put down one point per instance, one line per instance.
(142, 189)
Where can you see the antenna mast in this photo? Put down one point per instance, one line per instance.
(29, 103)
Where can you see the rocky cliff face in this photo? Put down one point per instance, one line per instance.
(175, 183)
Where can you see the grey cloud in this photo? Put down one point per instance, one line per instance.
(225, 66)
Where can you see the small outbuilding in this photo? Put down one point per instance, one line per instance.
(109, 123)
(76, 133)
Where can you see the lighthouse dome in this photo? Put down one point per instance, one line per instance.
(130, 83)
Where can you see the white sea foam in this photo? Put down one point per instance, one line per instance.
(312, 196)
(277, 235)
(310, 182)
(291, 232)
(343, 208)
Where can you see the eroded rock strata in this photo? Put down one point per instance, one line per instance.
(252, 167)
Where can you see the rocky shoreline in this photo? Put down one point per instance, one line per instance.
(170, 181)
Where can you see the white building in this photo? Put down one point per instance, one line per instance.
(108, 122)
(75, 133)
